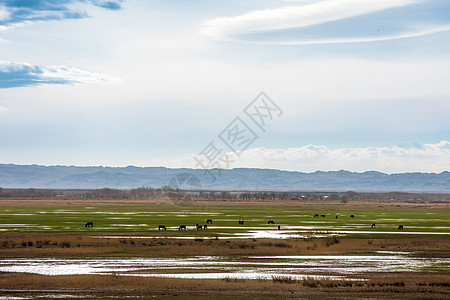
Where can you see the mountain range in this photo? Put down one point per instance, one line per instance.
(74, 177)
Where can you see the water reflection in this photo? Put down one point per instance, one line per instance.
(253, 267)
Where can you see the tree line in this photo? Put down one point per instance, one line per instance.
(143, 193)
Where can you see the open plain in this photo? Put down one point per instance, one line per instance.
(318, 251)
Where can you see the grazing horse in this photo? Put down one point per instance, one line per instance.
(400, 227)
(316, 215)
(205, 226)
(279, 227)
(199, 227)
(373, 225)
(182, 227)
(352, 216)
(209, 221)
(271, 222)
(89, 224)
(323, 216)
(241, 222)
(162, 227)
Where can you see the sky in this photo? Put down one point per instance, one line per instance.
(298, 85)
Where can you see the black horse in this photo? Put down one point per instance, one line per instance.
(271, 222)
(316, 215)
(89, 224)
(373, 225)
(400, 227)
(352, 216)
(182, 227)
(279, 227)
(162, 227)
(205, 226)
(323, 216)
(209, 221)
(241, 222)
(199, 227)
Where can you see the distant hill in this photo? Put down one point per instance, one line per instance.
(72, 177)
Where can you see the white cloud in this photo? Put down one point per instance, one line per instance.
(269, 26)
(425, 158)
(433, 158)
(404, 35)
(75, 75)
(295, 16)
(15, 74)
(4, 14)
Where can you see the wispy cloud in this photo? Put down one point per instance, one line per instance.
(14, 74)
(333, 21)
(15, 13)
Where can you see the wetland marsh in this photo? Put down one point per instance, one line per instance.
(52, 242)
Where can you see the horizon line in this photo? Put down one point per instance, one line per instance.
(247, 168)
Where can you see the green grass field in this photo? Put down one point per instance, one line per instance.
(145, 219)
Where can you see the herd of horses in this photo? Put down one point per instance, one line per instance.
(400, 227)
(241, 222)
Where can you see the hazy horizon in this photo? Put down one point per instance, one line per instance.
(232, 168)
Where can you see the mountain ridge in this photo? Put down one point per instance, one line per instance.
(92, 177)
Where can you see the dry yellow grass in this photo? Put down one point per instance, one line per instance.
(407, 286)
(63, 245)
(319, 204)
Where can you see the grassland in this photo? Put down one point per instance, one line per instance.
(145, 218)
(48, 229)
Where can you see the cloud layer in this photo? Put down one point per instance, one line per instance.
(14, 74)
(433, 158)
(333, 21)
(420, 158)
(14, 13)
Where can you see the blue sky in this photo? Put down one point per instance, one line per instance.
(362, 84)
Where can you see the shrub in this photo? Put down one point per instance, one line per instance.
(284, 279)
(331, 241)
(282, 245)
(66, 245)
